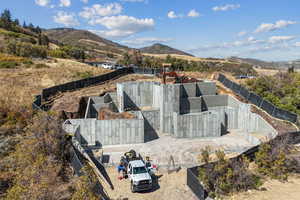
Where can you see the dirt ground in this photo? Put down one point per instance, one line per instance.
(273, 190)
(267, 72)
(170, 186)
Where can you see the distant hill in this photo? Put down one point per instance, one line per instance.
(265, 64)
(96, 45)
(163, 49)
(252, 61)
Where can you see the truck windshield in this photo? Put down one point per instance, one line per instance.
(139, 170)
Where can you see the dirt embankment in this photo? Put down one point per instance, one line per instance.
(25, 82)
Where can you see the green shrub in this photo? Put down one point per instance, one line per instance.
(83, 75)
(272, 159)
(57, 53)
(8, 65)
(226, 176)
(24, 49)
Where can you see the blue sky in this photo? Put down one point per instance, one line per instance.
(264, 29)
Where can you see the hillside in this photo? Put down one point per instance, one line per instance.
(97, 46)
(265, 64)
(163, 49)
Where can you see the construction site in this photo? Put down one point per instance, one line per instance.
(167, 120)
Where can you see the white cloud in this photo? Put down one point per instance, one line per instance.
(66, 19)
(226, 7)
(193, 13)
(98, 10)
(172, 15)
(279, 39)
(271, 27)
(122, 26)
(65, 3)
(242, 33)
(146, 40)
(85, 1)
(42, 2)
(297, 44)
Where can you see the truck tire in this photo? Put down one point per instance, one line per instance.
(132, 188)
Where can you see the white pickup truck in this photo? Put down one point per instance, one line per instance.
(139, 176)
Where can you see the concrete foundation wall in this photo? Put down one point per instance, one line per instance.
(151, 124)
(169, 103)
(205, 124)
(135, 95)
(228, 117)
(153, 119)
(156, 96)
(206, 88)
(188, 90)
(214, 101)
(197, 89)
(109, 132)
(190, 105)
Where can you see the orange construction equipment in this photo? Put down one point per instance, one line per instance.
(178, 78)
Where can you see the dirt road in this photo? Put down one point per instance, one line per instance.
(170, 186)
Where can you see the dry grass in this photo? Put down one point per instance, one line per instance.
(189, 58)
(273, 190)
(18, 86)
(11, 58)
(267, 72)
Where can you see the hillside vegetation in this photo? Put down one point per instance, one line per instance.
(183, 64)
(30, 41)
(283, 90)
(97, 47)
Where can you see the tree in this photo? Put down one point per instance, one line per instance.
(31, 27)
(38, 30)
(43, 40)
(5, 20)
(126, 59)
(16, 22)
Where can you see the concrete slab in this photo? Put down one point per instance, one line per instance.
(185, 151)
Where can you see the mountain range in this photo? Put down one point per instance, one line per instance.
(100, 47)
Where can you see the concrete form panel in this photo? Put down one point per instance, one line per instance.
(206, 88)
(214, 101)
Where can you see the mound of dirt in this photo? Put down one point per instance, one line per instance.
(107, 114)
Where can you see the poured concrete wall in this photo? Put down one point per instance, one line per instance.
(197, 89)
(228, 117)
(151, 124)
(206, 88)
(109, 132)
(135, 95)
(190, 105)
(168, 105)
(156, 96)
(195, 125)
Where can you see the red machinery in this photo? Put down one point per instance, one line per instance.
(178, 78)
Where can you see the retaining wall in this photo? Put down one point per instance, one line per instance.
(258, 101)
